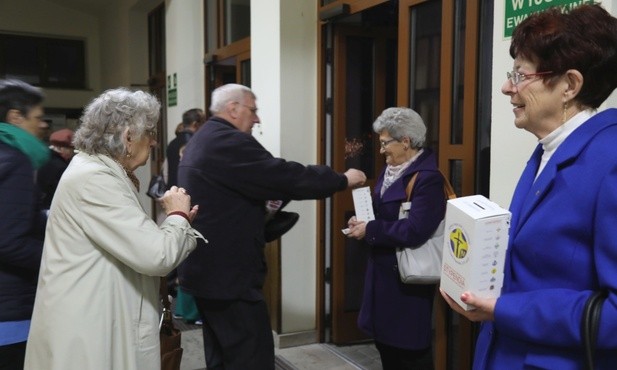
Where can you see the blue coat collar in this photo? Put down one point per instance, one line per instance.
(529, 193)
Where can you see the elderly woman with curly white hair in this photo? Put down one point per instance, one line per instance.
(397, 315)
(96, 304)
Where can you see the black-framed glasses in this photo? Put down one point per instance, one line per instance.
(384, 143)
(516, 77)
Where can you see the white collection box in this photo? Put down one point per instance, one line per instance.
(475, 242)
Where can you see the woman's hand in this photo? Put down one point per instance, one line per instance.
(177, 200)
(357, 229)
(484, 307)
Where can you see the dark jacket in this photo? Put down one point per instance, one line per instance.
(231, 175)
(49, 176)
(173, 156)
(21, 235)
(394, 313)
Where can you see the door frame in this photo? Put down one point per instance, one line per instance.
(344, 322)
(464, 152)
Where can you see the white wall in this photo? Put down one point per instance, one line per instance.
(266, 71)
(184, 39)
(299, 143)
(284, 78)
(511, 147)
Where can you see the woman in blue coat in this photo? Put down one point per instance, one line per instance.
(562, 244)
(397, 315)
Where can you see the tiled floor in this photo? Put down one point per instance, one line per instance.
(318, 356)
(321, 356)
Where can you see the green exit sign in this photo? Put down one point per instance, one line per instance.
(518, 10)
(172, 90)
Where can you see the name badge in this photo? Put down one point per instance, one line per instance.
(404, 210)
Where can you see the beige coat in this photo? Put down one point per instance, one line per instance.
(97, 300)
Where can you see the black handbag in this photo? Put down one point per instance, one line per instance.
(157, 187)
(589, 326)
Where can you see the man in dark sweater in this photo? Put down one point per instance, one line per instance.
(232, 176)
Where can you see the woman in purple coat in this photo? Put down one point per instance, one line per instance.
(397, 315)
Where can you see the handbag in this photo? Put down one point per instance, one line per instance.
(170, 336)
(589, 326)
(422, 264)
(157, 187)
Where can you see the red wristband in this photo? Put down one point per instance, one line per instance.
(179, 213)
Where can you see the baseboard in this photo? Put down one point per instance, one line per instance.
(300, 338)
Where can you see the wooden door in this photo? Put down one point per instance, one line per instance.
(364, 61)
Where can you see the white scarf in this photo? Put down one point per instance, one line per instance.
(393, 173)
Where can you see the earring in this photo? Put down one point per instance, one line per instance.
(565, 112)
(128, 154)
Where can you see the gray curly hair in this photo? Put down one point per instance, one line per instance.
(107, 116)
(401, 122)
(228, 93)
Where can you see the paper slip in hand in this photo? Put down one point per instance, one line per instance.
(363, 204)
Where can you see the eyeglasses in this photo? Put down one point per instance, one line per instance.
(152, 134)
(384, 143)
(252, 109)
(516, 77)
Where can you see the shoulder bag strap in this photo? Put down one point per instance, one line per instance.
(410, 184)
(590, 324)
(447, 187)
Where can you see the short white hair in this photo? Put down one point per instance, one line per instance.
(225, 94)
(401, 122)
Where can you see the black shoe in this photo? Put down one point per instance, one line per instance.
(279, 224)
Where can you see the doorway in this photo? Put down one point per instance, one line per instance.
(367, 73)
(421, 54)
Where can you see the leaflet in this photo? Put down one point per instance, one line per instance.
(363, 204)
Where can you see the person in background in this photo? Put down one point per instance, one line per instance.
(397, 315)
(192, 119)
(185, 307)
(97, 301)
(562, 244)
(62, 151)
(231, 176)
(22, 223)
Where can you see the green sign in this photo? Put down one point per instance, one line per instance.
(518, 10)
(172, 91)
(172, 97)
